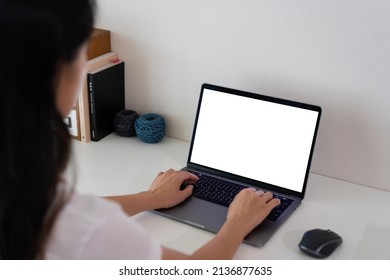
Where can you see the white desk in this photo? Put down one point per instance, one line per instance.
(361, 215)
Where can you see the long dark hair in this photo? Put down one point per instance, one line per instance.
(34, 143)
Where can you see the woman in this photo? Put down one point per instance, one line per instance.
(43, 56)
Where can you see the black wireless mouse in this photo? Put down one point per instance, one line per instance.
(320, 243)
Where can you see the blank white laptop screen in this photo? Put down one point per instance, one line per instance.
(256, 139)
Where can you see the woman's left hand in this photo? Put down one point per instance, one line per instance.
(166, 187)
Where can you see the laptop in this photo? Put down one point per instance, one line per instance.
(242, 139)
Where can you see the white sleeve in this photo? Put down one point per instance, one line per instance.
(95, 228)
(119, 237)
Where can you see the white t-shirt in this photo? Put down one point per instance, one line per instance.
(95, 228)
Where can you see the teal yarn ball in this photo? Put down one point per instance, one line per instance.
(150, 128)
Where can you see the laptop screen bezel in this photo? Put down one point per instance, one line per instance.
(234, 177)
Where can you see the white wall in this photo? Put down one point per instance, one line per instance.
(333, 53)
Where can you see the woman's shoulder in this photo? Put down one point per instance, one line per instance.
(88, 209)
(96, 228)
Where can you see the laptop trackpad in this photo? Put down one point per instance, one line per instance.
(198, 213)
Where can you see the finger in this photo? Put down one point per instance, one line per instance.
(259, 192)
(273, 202)
(187, 191)
(267, 196)
(187, 176)
(191, 175)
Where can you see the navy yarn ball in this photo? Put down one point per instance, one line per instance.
(150, 128)
(124, 123)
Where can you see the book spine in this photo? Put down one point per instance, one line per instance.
(85, 130)
(92, 111)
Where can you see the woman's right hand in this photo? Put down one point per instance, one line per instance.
(249, 208)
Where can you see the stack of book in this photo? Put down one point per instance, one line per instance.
(102, 94)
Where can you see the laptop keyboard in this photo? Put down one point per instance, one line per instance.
(223, 192)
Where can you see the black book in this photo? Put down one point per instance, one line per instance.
(106, 91)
